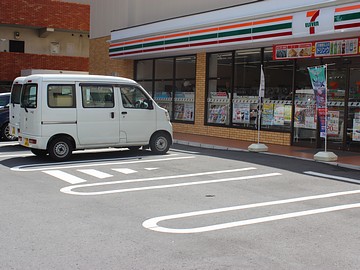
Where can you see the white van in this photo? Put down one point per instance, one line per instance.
(61, 113)
(14, 106)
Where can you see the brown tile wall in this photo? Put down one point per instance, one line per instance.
(13, 63)
(100, 62)
(45, 13)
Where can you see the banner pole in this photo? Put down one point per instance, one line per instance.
(259, 120)
(326, 106)
(259, 147)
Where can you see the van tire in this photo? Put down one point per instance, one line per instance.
(160, 143)
(60, 149)
(6, 133)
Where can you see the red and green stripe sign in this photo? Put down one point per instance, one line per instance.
(206, 37)
(347, 17)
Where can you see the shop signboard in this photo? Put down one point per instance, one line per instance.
(326, 48)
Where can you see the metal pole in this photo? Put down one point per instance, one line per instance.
(326, 111)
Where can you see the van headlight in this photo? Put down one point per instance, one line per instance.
(167, 115)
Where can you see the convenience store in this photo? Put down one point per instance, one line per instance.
(205, 70)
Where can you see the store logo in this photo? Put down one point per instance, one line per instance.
(313, 15)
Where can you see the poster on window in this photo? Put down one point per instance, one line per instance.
(189, 111)
(179, 111)
(241, 113)
(279, 115)
(356, 127)
(299, 118)
(267, 118)
(287, 113)
(333, 123)
(217, 114)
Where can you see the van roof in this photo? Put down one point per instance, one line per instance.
(78, 78)
(19, 79)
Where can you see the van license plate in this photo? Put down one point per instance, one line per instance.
(26, 142)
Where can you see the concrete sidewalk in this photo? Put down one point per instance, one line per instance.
(345, 158)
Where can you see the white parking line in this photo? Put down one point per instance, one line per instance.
(89, 163)
(125, 170)
(152, 223)
(96, 173)
(69, 190)
(65, 177)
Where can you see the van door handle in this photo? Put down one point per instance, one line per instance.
(123, 112)
(112, 114)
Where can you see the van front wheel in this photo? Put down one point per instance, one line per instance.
(160, 143)
(60, 149)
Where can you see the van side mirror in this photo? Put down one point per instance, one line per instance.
(150, 104)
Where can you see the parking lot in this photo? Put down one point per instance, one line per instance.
(190, 209)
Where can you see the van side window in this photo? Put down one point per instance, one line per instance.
(97, 96)
(134, 97)
(29, 96)
(61, 96)
(15, 93)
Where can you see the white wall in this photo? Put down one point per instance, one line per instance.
(109, 15)
(115, 14)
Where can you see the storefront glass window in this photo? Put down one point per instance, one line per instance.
(336, 84)
(233, 99)
(246, 87)
(184, 100)
(278, 93)
(172, 84)
(164, 83)
(353, 120)
(219, 87)
(144, 75)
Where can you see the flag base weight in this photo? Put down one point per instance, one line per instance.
(258, 147)
(325, 156)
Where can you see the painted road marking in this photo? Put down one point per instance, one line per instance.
(65, 176)
(70, 189)
(96, 173)
(152, 224)
(151, 169)
(89, 163)
(15, 155)
(333, 177)
(125, 171)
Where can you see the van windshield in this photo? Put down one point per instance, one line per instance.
(29, 96)
(15, 93)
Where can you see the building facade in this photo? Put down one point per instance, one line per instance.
(43, 34)
(205, 65)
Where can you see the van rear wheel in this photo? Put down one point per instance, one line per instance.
(160, 143)
(6, 133)
(60, 149)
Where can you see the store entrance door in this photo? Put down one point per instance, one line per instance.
(305, 131)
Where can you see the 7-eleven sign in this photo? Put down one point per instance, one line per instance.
(313, 23)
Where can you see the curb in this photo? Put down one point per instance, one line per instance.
(219, 147)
